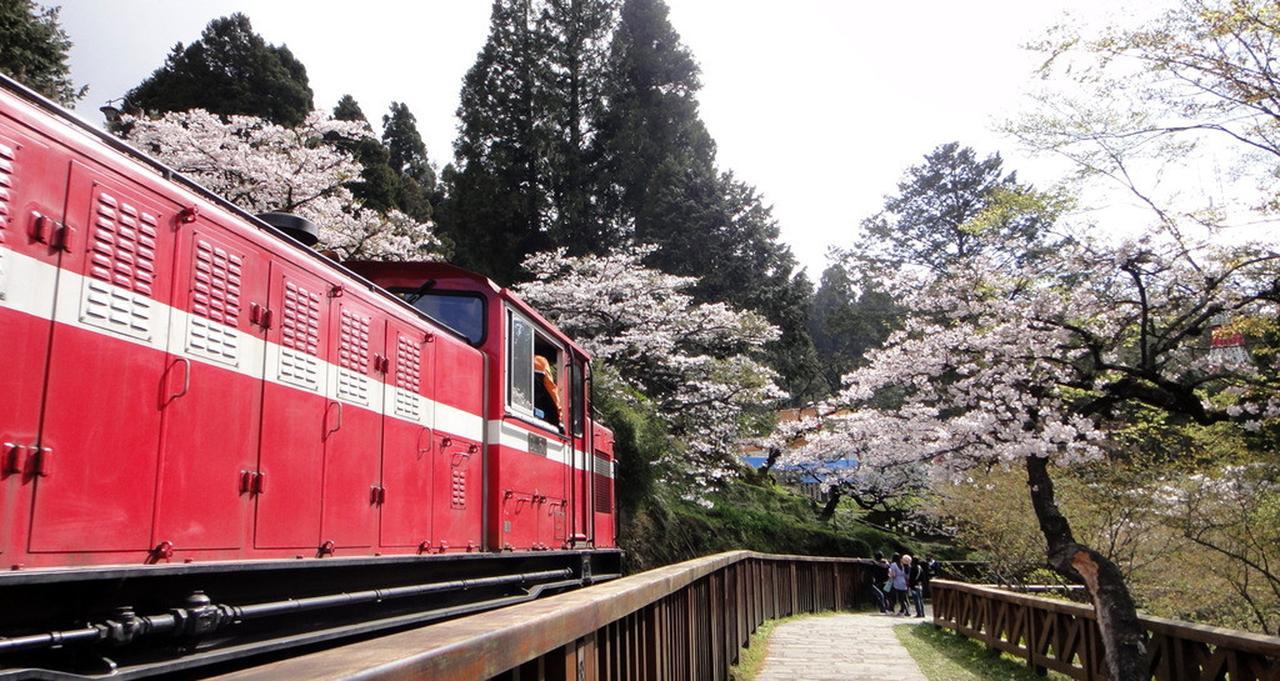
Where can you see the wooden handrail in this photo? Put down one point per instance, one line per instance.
(1053, 634)
(683, 621)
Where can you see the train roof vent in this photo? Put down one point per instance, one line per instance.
(295, 226)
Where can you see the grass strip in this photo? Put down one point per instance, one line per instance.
(946, 656)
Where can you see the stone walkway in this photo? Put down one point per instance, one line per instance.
(845, 647)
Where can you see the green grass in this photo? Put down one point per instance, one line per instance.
(744, 515)
(752, 656)
(945, 656)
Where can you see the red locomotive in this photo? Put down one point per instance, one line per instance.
(183, 384)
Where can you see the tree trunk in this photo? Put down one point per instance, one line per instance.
(830, 509)
(1123, 638)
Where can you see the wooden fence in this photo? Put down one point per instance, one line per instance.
(1062, 636)
(683, 622)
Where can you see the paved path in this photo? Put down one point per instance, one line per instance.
(845, 647)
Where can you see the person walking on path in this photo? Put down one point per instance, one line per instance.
(898, 575)
(879, 578)
(915, 583)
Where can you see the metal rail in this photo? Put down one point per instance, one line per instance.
(684, 621)
(1062, 636)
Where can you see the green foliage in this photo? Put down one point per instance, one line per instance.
(657, 174)
(849, 316)
(496, 207)
(580, 129)
(33, 49)
(407, 158)
(1192, 534)
(742, 515)
(378, 186)
(228, 70)
(941, 215)
(577, 39)
(640, 437)
(946, 656)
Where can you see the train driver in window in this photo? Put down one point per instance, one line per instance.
(546, 396)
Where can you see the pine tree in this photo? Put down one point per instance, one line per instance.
(33, 49)
(378, 186)
(497, 204)
(576, 35)
(650, 139)
(930, 221)
(849, 315)
(228, 70)
(658, 176)
(407, 158)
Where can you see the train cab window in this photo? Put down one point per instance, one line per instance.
(576, 397)
(519, 364)
(461, 312)
(533, 368)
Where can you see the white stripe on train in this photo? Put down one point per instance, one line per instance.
(23, 280)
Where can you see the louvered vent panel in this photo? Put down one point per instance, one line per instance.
(122, 258)
(604, 486)
(8, 156)
(408, 364)
(124, 245)
(408, 403)
(458, 496)
(300, 321)
(215, 303)
(300, 337)
(353, 357)
(353, 346)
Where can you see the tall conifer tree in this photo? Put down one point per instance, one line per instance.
(408, 160)
(576, 35)
(657, 174)
(497, 202)
(378, 186)
(33, 49)
(228, 70)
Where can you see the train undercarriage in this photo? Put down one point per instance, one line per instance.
(195, 620)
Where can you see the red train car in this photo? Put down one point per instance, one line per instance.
(183, 383)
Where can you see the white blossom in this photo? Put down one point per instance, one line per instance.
(995, 363)
(261, 166)
(695, 360)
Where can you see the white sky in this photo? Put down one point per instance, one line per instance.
(820, 103)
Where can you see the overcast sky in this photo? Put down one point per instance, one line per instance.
(819, 103)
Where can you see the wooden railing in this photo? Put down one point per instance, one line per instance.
(683, 621)
(1062, 636)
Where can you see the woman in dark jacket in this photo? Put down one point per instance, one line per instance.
(915, 583)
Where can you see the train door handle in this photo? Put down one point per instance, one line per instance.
(186, 379)
(338, 427)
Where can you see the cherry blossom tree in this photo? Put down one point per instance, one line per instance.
(1036, 364)
(698, 362)
(261, 166)
(819, 448)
